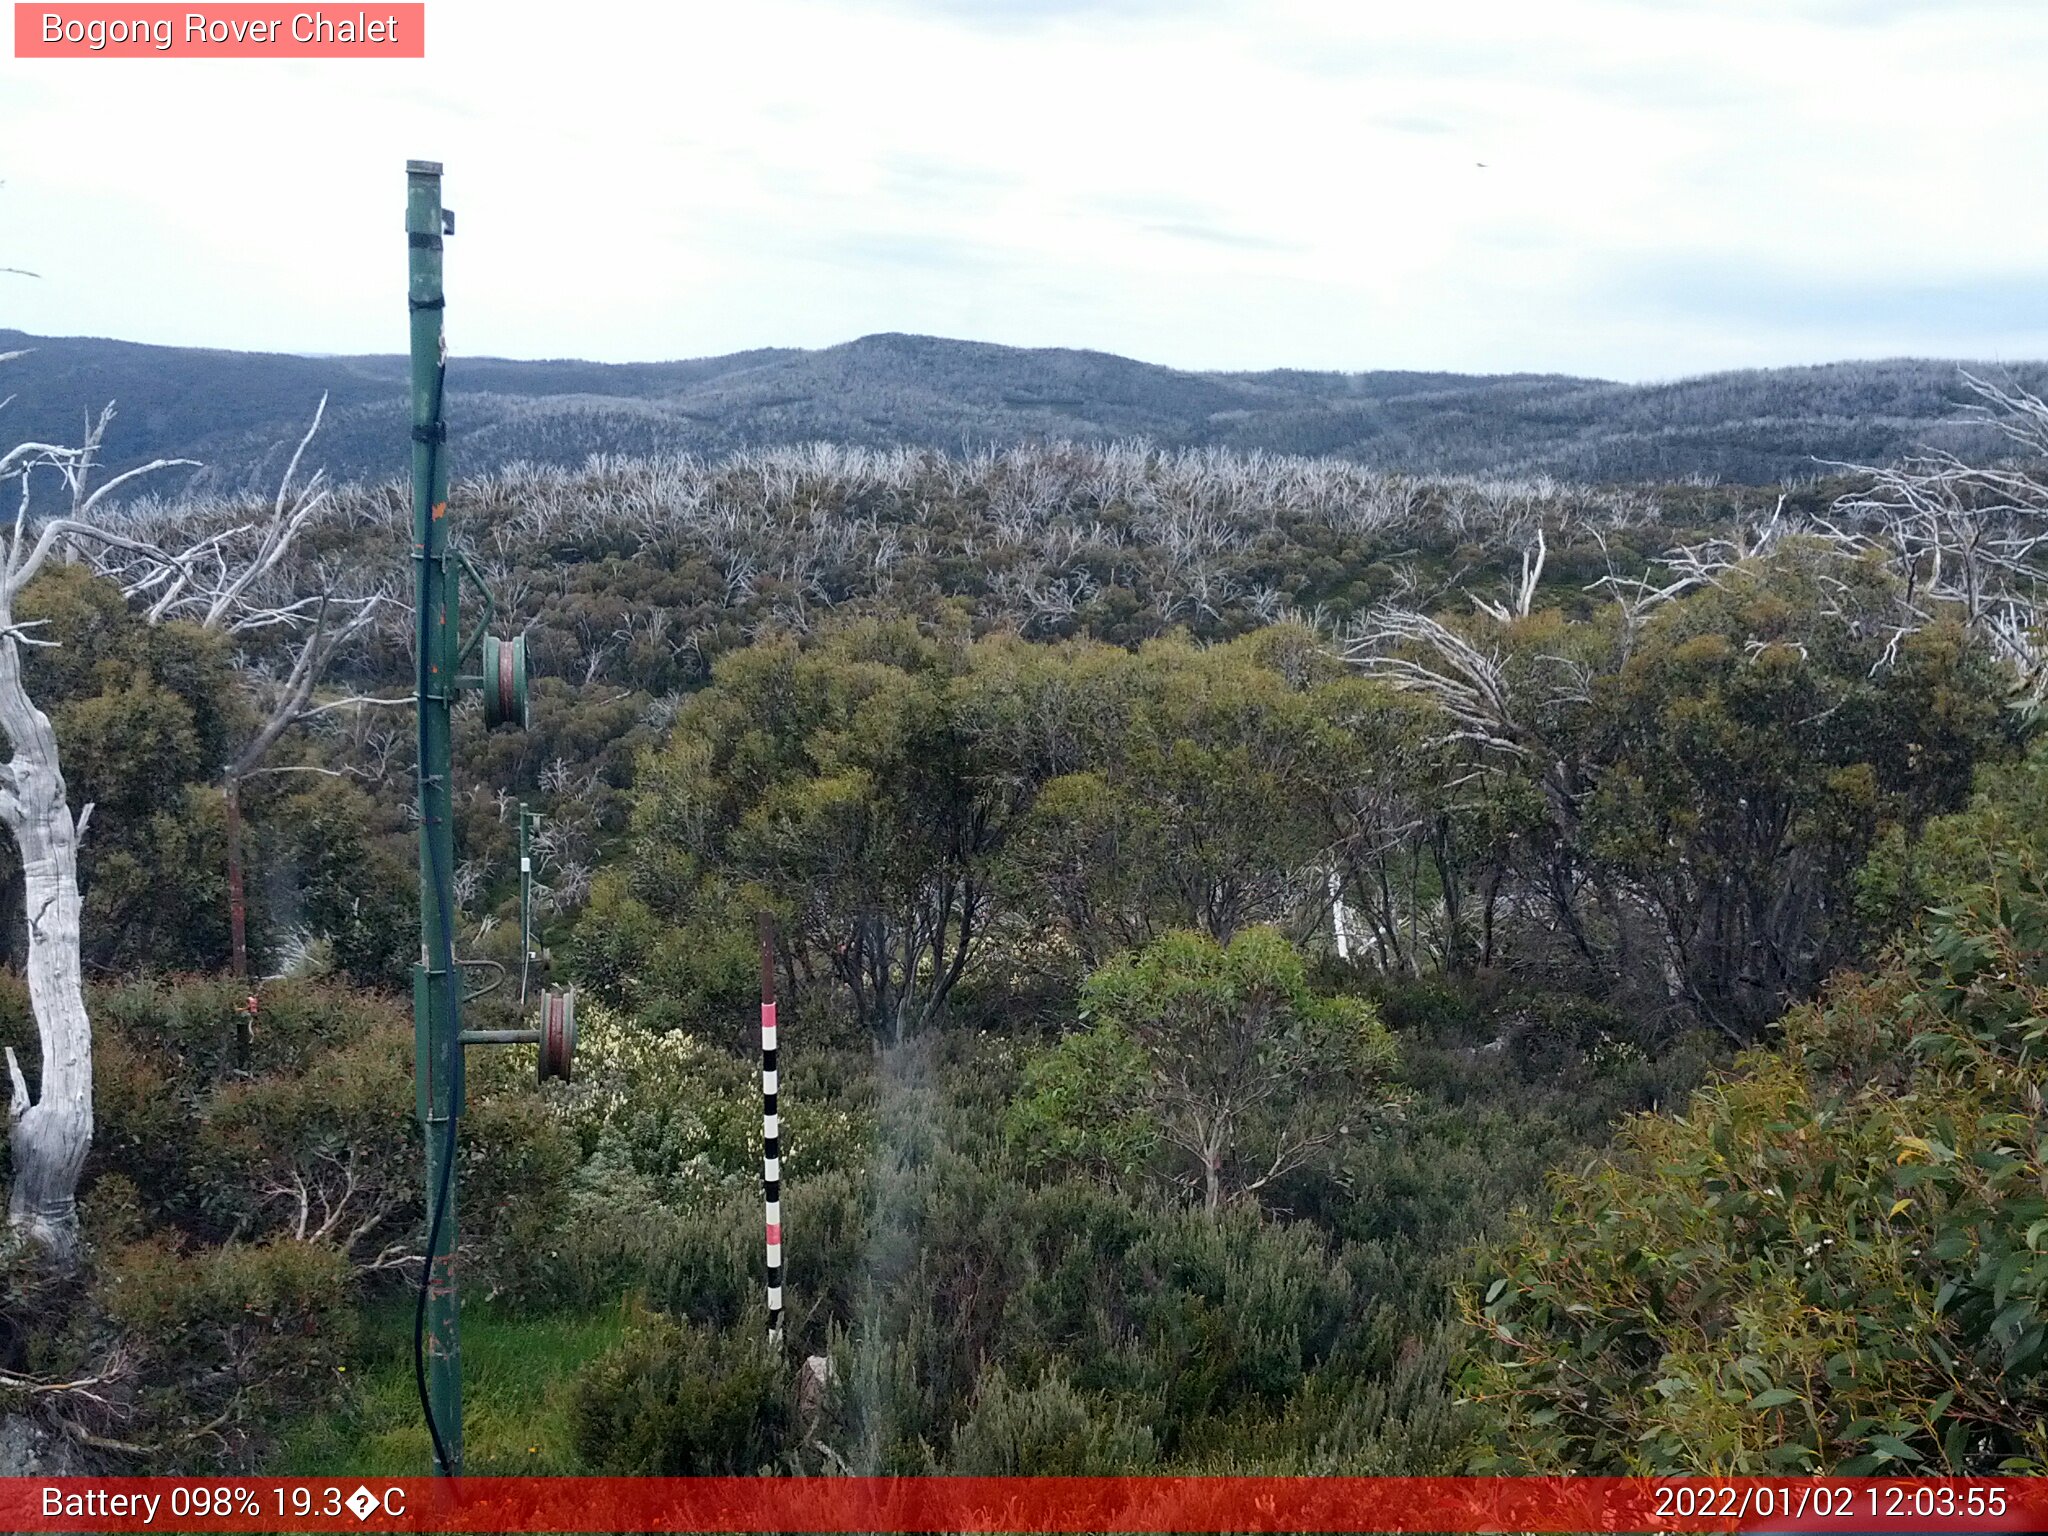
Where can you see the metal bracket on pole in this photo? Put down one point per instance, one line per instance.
(469, 646)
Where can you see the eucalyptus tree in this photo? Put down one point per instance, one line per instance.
(247, 578)
(1714, 752)
(834, 783)
(1217, 1061)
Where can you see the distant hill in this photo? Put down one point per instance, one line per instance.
(239, 412)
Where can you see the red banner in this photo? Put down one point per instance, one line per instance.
(1051, 1504)
(229, 31)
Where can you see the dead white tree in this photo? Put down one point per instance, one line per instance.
(1506, 710)
(231, 580)
(1521, 605)
(50, 1130)
(1968, 538)
(1420, 654)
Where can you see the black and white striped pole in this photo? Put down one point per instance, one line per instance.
(771, 1130)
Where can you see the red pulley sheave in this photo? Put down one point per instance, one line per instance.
(504, 681)
(557, 1034)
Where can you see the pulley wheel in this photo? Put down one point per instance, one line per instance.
(557, 1033)
(504, 681)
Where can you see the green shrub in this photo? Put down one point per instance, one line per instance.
(517, 1194)
(226, 1342)
(245, 1196)
(1045, 1430)
(677, 1400)
(328, 1152)
(1834, 1261)
(682, 1119)
(1083, 1106)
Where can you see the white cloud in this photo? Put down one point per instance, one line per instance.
(1217, 184)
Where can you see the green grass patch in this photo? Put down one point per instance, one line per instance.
(516, 1375)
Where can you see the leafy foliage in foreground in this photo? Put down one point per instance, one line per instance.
(1837, 1257)
(975, 1322)
(249, 1188)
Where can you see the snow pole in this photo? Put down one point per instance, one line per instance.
(771, 1130)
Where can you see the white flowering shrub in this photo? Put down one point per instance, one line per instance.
(665, 1119)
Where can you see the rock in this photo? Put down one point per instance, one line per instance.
(29, 1449)
(813, 1378)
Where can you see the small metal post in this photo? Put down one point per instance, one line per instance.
(526, 951)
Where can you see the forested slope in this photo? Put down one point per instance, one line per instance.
(1433, 825)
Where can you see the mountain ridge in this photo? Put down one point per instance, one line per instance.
(240, 412)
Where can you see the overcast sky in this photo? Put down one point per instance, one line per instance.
(1668, 186)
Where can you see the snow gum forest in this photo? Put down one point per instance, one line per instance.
(1284, 967)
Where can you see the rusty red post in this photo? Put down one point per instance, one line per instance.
(238, 907)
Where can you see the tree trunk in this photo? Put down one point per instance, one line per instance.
(900, 1019)
(50, 1135)
(1493, 875)
(238, 916)
(238, 907)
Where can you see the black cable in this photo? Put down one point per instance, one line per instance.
(447, 959)
(419, 1321)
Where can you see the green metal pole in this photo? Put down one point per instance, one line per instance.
(437, 1030)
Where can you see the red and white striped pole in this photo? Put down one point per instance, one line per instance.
(771, 1130)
